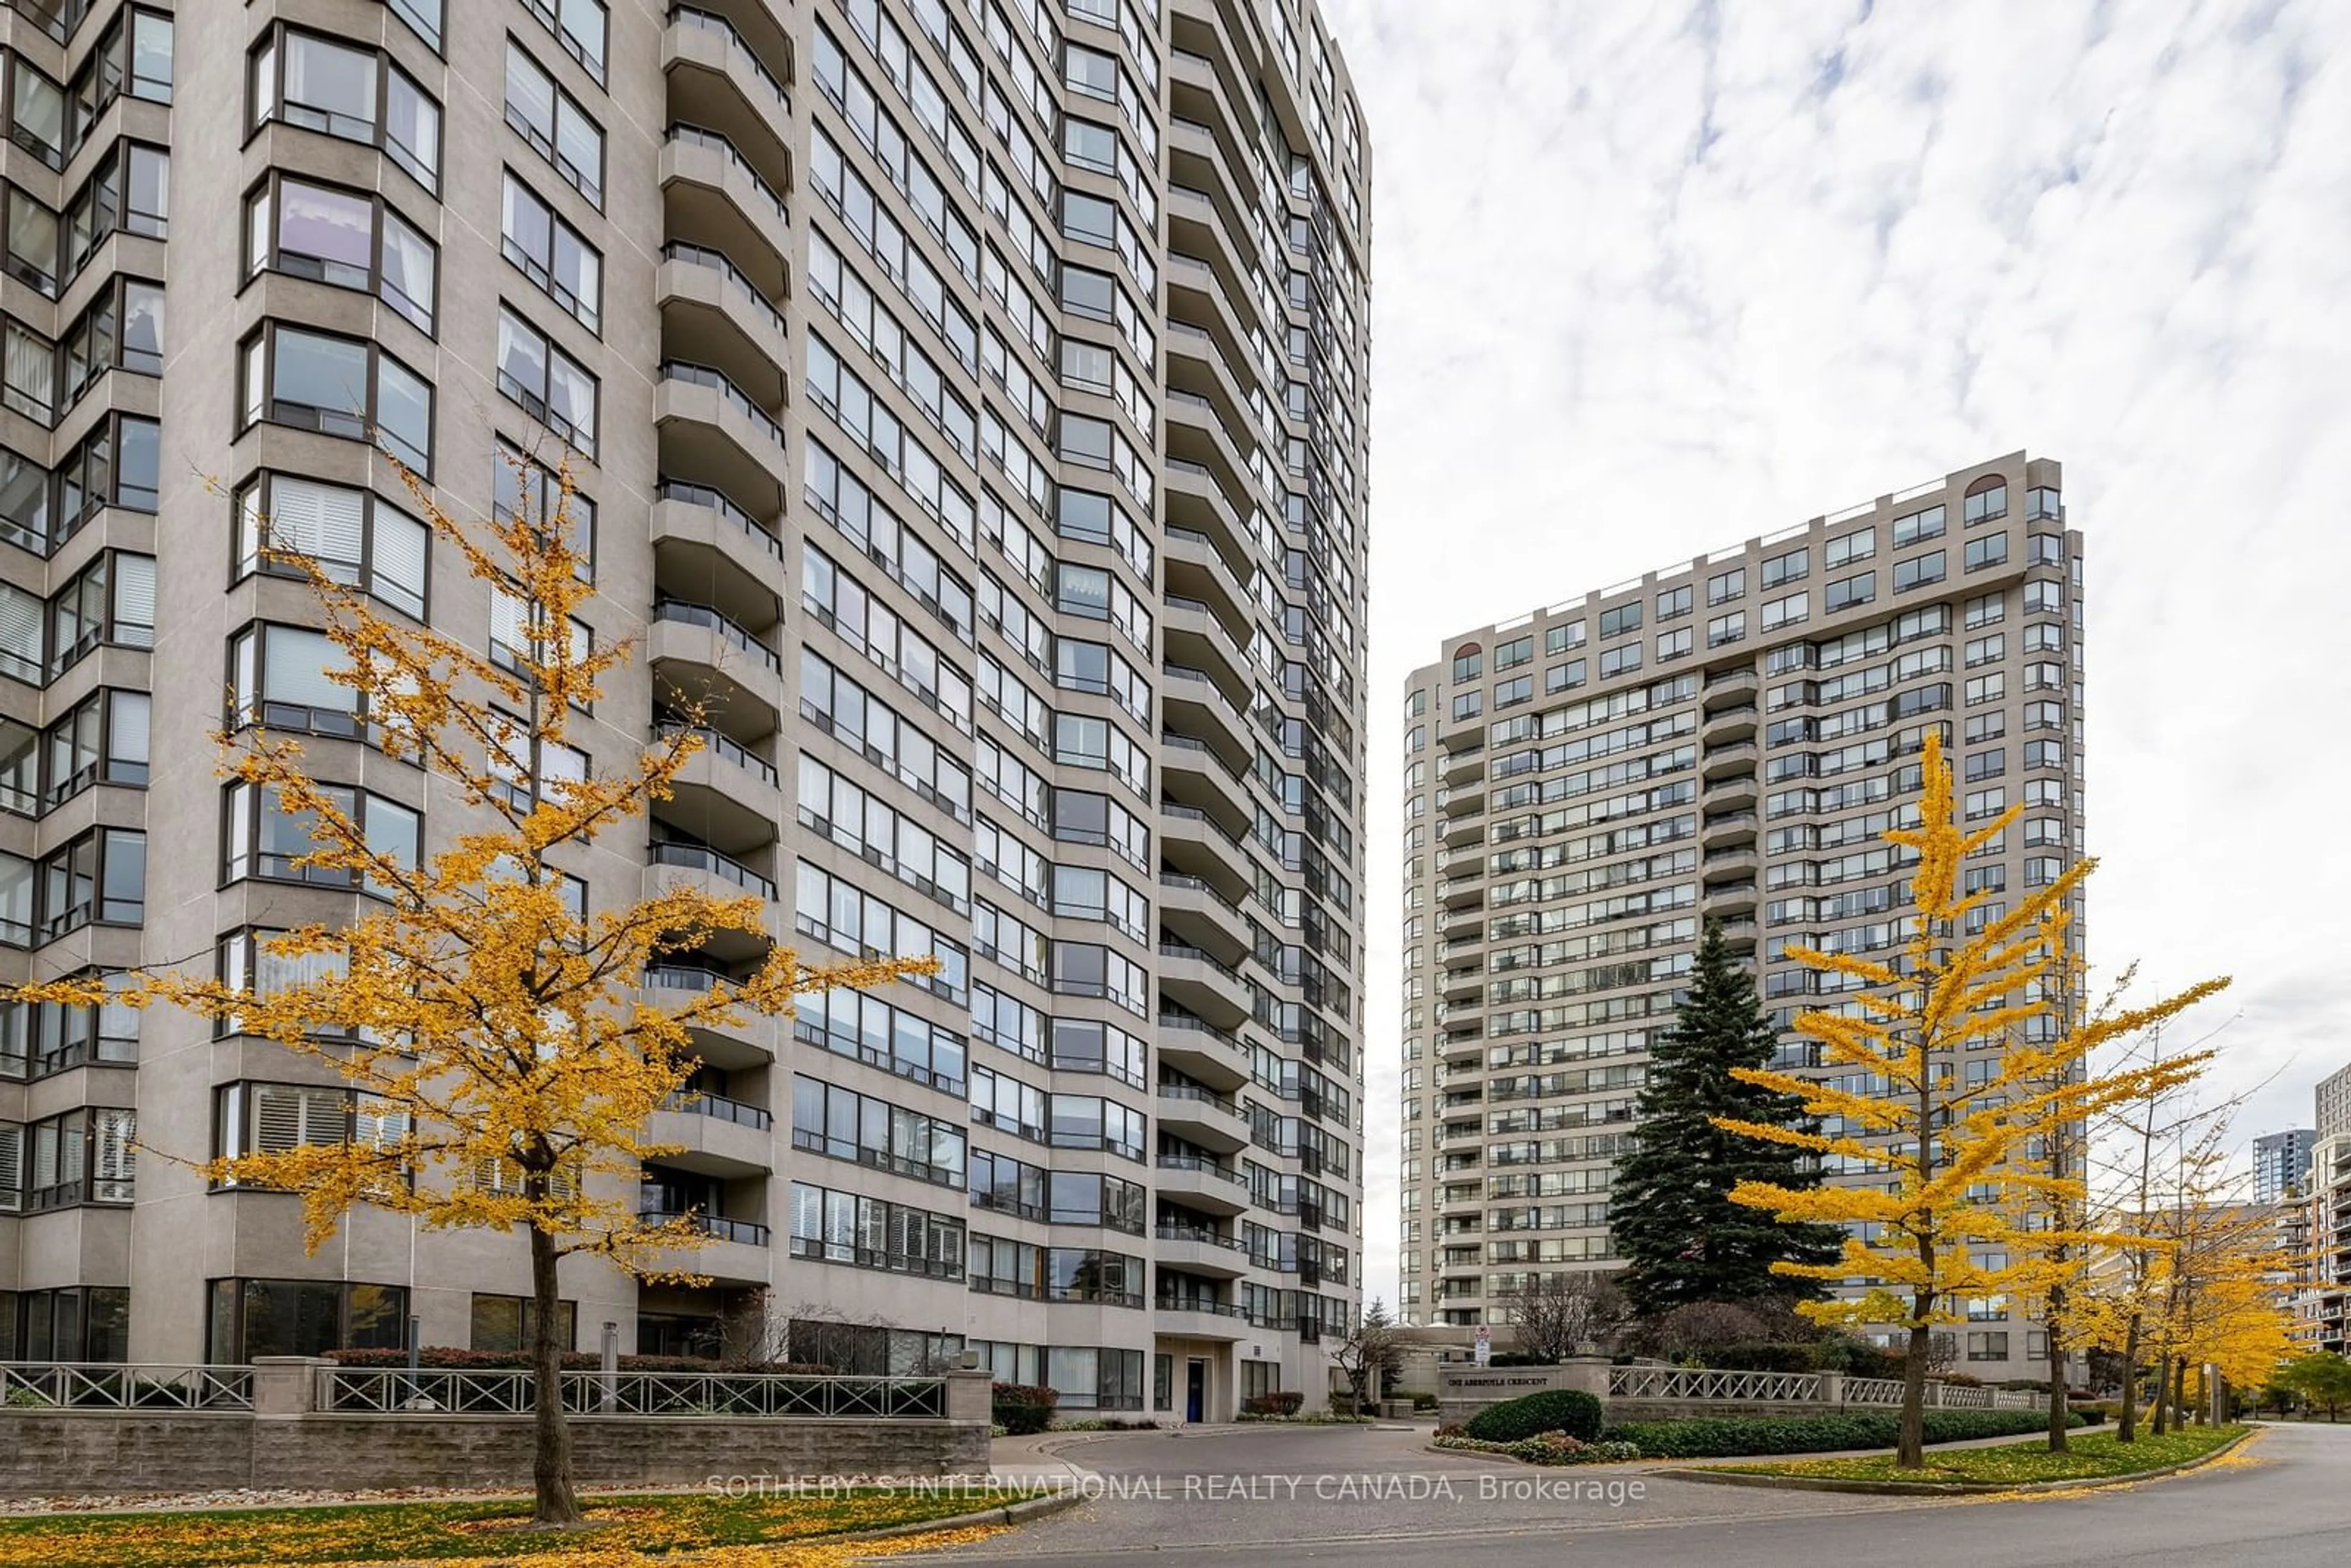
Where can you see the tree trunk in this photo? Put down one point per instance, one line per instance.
(2128, 1429)
(556, 1505)
(2179, 1394)
(2057, 1416)
(2162, 1392)
(1911, 1446)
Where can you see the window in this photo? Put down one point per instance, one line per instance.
(580, 25)
(118, 464)
(1987, 764)
(99, 877)
(549, 384)
(1560, 639)
(251, 1317)
(831, 1227)
(551, 254)
(1620, 661)
(1672, 645)
(1469, 705)
(1846, 548)
(1091, 72)
(110, 600)
(123, 327)
(1725, 586)
(556, 128)
(1791, 610)
(528, 491)
(85, 1156)
(1986, 688)
(2044, 675)
(1511, 655)
(260, 837)
(422, 16)
(1986, 650)
(1511, 693)
(1918, 527)
(340, 89)
(1919, 571)
(1674, 601)
(282, 677)
(1992, 549)
(1563, 677)
(1469, 663)
(1846, 593)
(842, 1124)
(2040, 502)
(505, 1322)
(1786, 568)
(2045, 550)
(353, 536)
(1725, 628)
(1616, 623)
(338, 386)
(345, 238)
(1985, 610)
(2043, 599)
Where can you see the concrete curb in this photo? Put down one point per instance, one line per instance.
(1723, 1478)
(1010, 1514)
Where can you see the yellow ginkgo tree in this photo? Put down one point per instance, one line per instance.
(505, 1056)
(1955, 1198)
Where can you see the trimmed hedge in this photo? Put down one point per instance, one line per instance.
(1728, 1436)
(1284, 1402)
(444, 1357)
(1568, 1410)
(1022, 1408)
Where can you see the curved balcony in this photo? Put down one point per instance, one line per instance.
(1726, 688)
(1195, 431)
(1735, 789)
(709, 659)
(1200, 1051)
(1193, 704)
(1193, 775)
(1198, 500)
(1210, 1186)
(712, 1136)
(1191, 839)
(1197, 568)
(1726, 725)
(712, 195)
(706, 546)
(1725, 899)
(1737, 757)
(737, 1253)
(716, 72)
(1727, 829)
(726, 794)
(713, 433)
(720, 876)
(1726, 864)
(714, 315)
(675, 981)
(1196, 911)
(1203, 1116)
(1192, 636)
(1198, 1317)
(1200, 984)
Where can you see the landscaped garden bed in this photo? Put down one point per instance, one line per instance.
(2094, 1456)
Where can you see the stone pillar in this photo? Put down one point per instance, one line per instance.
(1588, 1373)
(1831, 1390)
(286, 1385)
(970, 1396)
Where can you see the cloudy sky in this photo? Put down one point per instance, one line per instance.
(1651, 278)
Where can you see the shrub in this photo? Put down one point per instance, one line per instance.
(1728, 1437)
(1423, 1402)
(1544, 1448)
(1567, 1410)
(1021, 1409)
(1959, 1379)
(1284, 1403)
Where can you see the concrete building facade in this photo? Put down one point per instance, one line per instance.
(970, 396)
(1725, 740)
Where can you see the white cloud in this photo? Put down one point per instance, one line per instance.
(1649, 279)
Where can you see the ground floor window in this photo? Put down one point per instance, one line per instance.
(504, 1323)
(1988, 1347)
(1163, 1383)
(679, 1334)
(251, 1317)
(1260, 1377)
(1086, 1378)
(79, 1323)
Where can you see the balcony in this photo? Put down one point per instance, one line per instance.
(1463, 765)
(1726, 688)
(1198, 500)
(1726, 864)
(712, 433)
(717, 74)
(1197, 566)
(1195, 776)
(1728, 898)
(1196, 982)
(717, 876)
(706, 546)
(1210, 1186)
(715, 1136)
(725, 794)
(1177, 1317)
(679, 980)
(1193, 704)
(709, 658)
(737, 1252)
(1723, 760)
(1725, 830)
(1198, 1050)
(713, 195)
(1731, 790)
(713, 314)
(1192, 636)
(1725, 724)
(1196, 911)
(1203, 1116)
(1196, 1250)
(1195, 840)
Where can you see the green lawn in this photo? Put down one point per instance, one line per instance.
(2089, 1456)
(431, 1531)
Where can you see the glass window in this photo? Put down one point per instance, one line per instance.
(250, 1318)
(1918, 570)
(548, 384)
(1986, 500)
(1786, 568)
(353, 536)
(341, 89)
(344, 237)
(580, 25)
(556, 128)
(338, 386)
(552, 255)
(1725, 586)
(1990, 549)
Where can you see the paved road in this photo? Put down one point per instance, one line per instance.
(1375, 1500)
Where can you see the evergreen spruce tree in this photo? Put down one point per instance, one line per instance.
(1681, 1237)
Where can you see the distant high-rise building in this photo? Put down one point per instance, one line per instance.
(2280, 1163)
(969, 398)
(1726, 739)
(2332, 1102)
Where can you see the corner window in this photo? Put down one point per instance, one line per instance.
(355, 537)
(262, 838)
(338, 386)
(283, 677)
(345, 238)
(339, 89)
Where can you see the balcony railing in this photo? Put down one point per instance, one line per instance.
(721, 744)
(715, 261)
(687, 613)
(696, 1103)
(742, 1231)
(696, 857)
(709, 500)
(692, 16)
(695, 136)
(718, 381)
